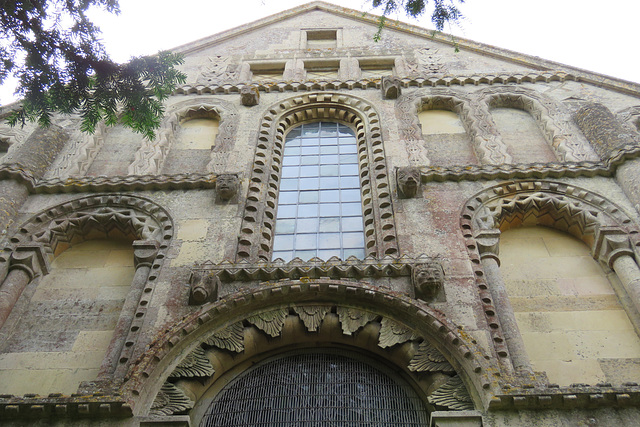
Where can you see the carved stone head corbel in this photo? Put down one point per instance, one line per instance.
(249, 96)
(227, 188)
(390, 87)
(408, 181)
(203, 287)
(427, 280)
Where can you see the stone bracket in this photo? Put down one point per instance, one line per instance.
(30, 258)
(204, 287)
(610, 244)
(391, 87)
(144, 252)
(487, 242)
(427, 280)
(408, 181)
(249, 96)
(227, 186)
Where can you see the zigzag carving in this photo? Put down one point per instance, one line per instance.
(150, 158)
(562, 136)
(68, 221)
(85, 147)
(487, 145)
(431, 81)
(314, 268)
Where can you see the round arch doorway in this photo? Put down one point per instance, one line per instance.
(319, 388)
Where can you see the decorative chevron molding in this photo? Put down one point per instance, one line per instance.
(315, 268)
(434, 81)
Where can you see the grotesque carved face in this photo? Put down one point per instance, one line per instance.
(227, 186)
(408, 179)
(427, 280)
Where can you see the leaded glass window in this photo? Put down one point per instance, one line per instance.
(316, 389)
(319, 204)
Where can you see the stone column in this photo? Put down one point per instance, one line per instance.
(26, 262)
(612, 246)
(487, 241)
(32, 159)
(144, 253)
(607, 136)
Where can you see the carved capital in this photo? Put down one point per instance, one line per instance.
(427, 280)
(204, 287)
(30, 258)
(390, 87)
(144, 252)
(610, 244)
(408, 181)
(487, 242)
(249, 96)
(227, 188)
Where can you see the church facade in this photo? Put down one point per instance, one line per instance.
(331, 231)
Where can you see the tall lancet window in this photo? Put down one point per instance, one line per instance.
(319, 203)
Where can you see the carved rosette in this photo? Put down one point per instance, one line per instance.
(230, 338)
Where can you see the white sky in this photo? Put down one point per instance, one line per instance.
(601, 38)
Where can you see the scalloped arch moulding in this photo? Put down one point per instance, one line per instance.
(180, 370)
(258, 219)
(474, 111)
(595, 220)
(104, 216)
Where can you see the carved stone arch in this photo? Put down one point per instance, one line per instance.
(487, 146)
(140, 220)
(224, 336)
(603, 226)
(102, 214)
(258, 222)
(151, 156)
(567, 144)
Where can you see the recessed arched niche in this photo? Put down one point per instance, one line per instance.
(446, 138)
(67, 319)
(195, 137)
(521, 134)
(572, 323)
(116, 153)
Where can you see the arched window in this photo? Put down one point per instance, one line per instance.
(319, 204)
(522, 136)
(316, 389)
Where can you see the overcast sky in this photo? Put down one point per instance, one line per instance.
(601, 38)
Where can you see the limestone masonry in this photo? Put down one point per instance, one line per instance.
(330, 231)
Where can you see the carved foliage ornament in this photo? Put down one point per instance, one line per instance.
(197, 364)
